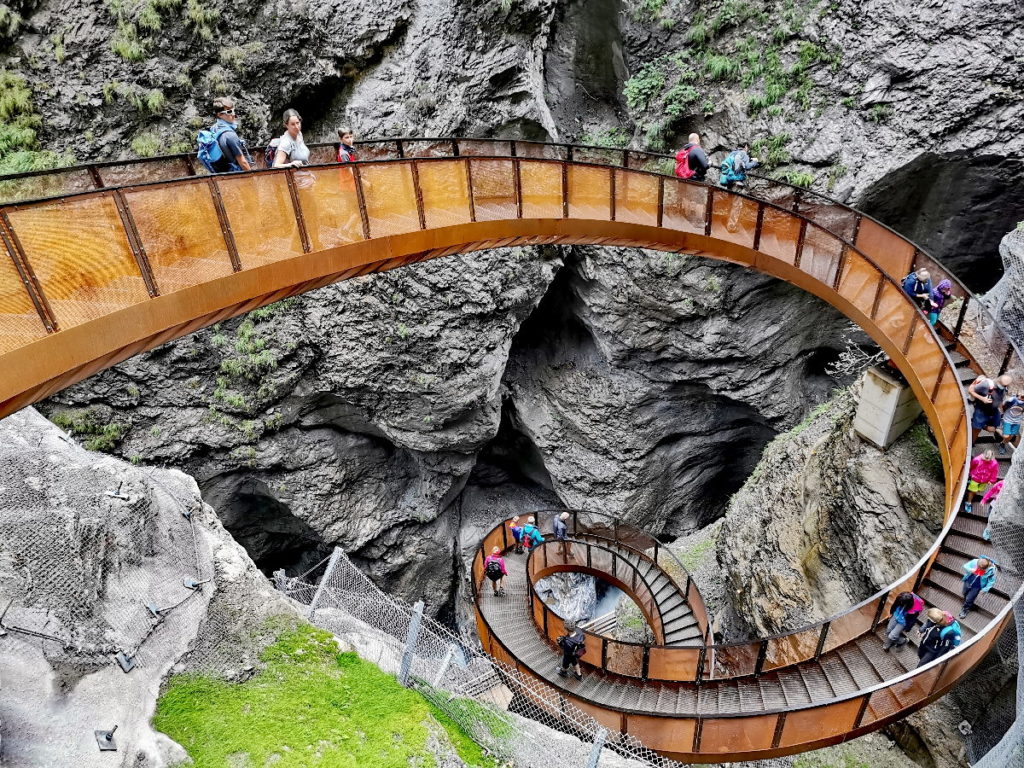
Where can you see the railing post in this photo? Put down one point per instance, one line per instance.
(625, 159)
(861, 710)
(709, 210)
(702, 658)
(469, 187)
(94, 174)
(645, 666)
(938, 382)
(517, 180)
(762, 654)
(920, 576)
(881, 608)
(225, 225)
(415, 622)
(797, 196)
(401, 149)
(361, 199)
(565, 188)
(758, 226)
(661, 201)
(293, 192)
(686, 590)
(604, 654)
(1004, 367)
(595, 750)
(27, 275)
(821, 640)
(878, 295)
(611, 172)
(135, 243)
(421, 214)
(844, 254)
(455, 147)
(656, 548)
(780, 723)
(800, 243)
(190, 165)
(961, 317)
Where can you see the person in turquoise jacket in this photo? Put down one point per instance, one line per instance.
(979, 576)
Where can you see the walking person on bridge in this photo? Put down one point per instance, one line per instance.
(906, 610)
(984, 472)
(692, 161)
(562, 535)
(733, 170)
(494, 568)
(573, 645)
(979, 576)
(220, 149)
(1013, 415)
(918, 286)
(346, 151)
(531, 534)
(939, 635)
(517, 534)
(987, 398)
(940, 295)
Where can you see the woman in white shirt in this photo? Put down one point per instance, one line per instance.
(291, 149)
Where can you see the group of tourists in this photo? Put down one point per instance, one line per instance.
(918, 286)
(222, 150)
(692, 163)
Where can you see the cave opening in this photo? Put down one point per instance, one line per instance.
(956, 207)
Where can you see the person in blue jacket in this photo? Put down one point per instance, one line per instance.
(939, 635)
(733, 170)
(918, 286)
(531, 534)
(979, 576)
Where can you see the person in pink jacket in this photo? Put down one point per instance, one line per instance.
(988, 498)
(495, 570)
(984, 472)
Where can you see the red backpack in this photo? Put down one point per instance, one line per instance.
(683, 170)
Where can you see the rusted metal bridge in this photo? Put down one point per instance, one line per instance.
(107, 260)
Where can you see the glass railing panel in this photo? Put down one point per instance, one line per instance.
(636, 198)
(780, 233)
(79, 252)
(592, 653)
(142, 172)
(601, 559)
(925, 356)
(859, 282)
(734, 218)
(851, 625)
(597, 155)
(330, 206)
(895, 314)
(673, 664)
(390, 198)
(791, 649)
(427, 148)
(494, 189)
(685, 206)
(821, 254)
(625, 659)
(180, 256)
(475, 147)
(917, 688)
(804, 726)
(541, 184)
(543, 151)
(723, 735)
(881, 704)
(445, 188)
(320, 154)
(262, 217)
(377, 150)
(949, 404)
(664, 733)
(590, 193)
(19, 320)
(835, 218)
(735, 660)
(50, 184)
(888, 250)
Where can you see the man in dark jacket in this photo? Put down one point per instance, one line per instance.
(939, 635)
(561, 530)
(695, 161)
(572, 645)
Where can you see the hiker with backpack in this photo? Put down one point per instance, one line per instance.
(906, 610)
(983, 472)
(733, 170)
(345, 149)
(1013, 415)
(220, 149)
(495, 570)
(531, 535)
(939, 635)
(987, 395)
(573, 645)
(940, 295)
(517, 534)
(918, 286)
(691, 161)
(979, 576)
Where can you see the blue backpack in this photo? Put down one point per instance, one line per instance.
(727, 173)
(209, 150)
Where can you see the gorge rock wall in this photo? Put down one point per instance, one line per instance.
(400, 415)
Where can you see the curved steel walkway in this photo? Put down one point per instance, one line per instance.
(101, 272)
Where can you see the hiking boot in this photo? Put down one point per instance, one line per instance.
(501, 592)
(963, 613)
(968, 507)
(887, 645)
(578, 675)
(1001, 450)
(987, 533)
(562, 672)
(902, 641)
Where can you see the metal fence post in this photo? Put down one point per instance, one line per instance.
(444, 666)
(595, 751)
(415, 622)
(322, 586)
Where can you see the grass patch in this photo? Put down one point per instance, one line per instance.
(797, 178)
(926, 450)
(126, 43)
(88, 424)
(644, 86)
(310, 707)
(692, 557)
(613, 138)
(772, 150)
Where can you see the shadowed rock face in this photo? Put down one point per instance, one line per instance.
(403, 414)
